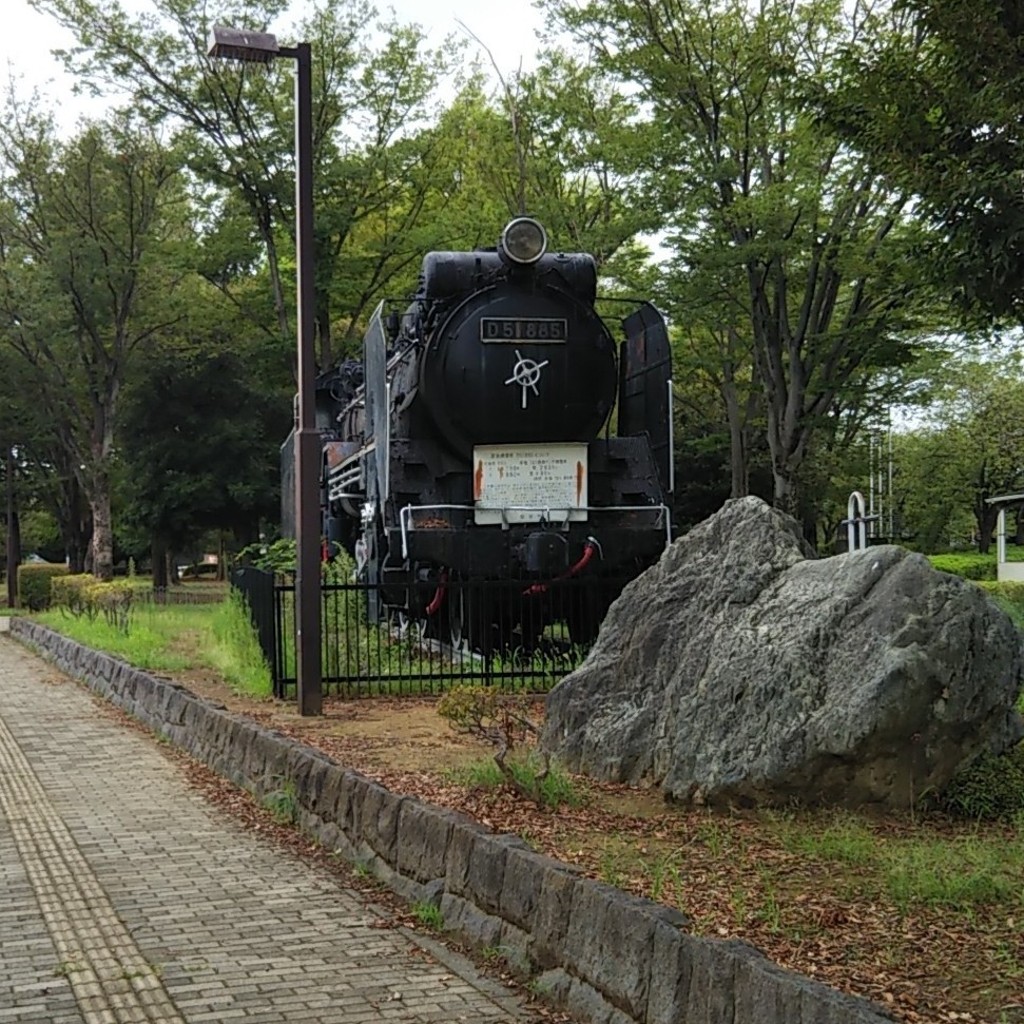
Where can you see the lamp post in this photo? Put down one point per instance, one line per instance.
(262, 48)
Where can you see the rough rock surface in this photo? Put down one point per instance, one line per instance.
(740, 669)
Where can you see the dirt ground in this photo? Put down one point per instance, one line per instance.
(403, 734)
(733, 875)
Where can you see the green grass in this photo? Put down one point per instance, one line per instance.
(282, 804)
(178, 638)
(959, 872)
(428, 915)
(557, 789)
(959, 875)
(846, 841)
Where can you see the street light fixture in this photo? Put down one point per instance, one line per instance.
(262, 48)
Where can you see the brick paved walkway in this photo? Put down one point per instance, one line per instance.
(125, 898)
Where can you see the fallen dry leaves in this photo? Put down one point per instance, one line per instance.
(732, 875)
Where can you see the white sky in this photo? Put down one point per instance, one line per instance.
(508, 28)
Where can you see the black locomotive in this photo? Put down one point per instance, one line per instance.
(473, 444)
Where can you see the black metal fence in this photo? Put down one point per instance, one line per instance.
(432, 635)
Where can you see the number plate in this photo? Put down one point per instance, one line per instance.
(544, 330)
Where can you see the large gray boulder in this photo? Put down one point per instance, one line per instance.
(742, 670)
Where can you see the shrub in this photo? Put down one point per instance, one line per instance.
(84, 595)
(970, 566)
(34, 584)
(69, 594)
(991, 788)
(504, 721)
(114, 600)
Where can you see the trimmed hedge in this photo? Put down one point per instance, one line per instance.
(971, 566)
(34, 584)
(85, 595)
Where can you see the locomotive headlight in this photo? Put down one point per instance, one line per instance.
(524, 240)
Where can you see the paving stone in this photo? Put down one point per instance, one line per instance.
(125, 897)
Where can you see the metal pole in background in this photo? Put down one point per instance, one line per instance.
(307, 438)
(13, 534)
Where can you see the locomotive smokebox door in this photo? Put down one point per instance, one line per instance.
(546, 552)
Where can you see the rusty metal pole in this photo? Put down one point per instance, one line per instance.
(307, 437)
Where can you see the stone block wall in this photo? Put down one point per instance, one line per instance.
(604, 955)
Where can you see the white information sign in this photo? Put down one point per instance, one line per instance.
(525, 483)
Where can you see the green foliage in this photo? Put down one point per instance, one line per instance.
(966, 565)
(237, 654)
(282, 803)
(960, 875)
(115, 600)
(279, 557)
(555, 788)
(69, 594)
(797, 291)
(503, 720)
(937, 104)
(87, 278)
(34, 583)
(429, 915)
(1009, 595)
(84, 595)
(992, 788)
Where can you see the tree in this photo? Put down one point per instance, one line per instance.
(803, 244)
(235, 124)
(938, 105)
(87, 245)
(211, 460)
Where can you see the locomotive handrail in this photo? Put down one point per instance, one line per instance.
(405, 515)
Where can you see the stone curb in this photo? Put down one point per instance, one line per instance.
(605, 955)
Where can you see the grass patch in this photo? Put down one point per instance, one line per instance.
(960, 875)
(557, 788)
(282, 804)
(177, 638)
(846, 841)
(150, 643)
(428, 915)
(959, 872)
(236, 652)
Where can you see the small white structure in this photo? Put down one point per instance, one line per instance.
(1006, 570)
(856, 522)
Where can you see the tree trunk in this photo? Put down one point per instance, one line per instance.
(739, 460)
(786, 496)
(986, 518)
(102, 531)
(158, 554)
(1018, 537)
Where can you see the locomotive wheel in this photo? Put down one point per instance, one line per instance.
(470, 618)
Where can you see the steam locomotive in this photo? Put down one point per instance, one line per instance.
(473, 443)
